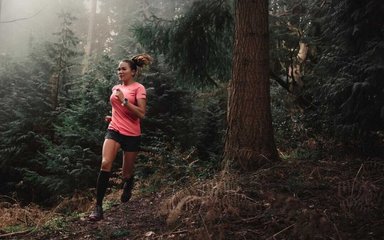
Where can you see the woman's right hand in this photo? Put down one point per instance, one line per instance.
(108, 119)
(119, 94)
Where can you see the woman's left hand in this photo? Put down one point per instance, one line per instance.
(108, 119)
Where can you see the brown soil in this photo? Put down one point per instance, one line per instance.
(136, 219)
(301, 199)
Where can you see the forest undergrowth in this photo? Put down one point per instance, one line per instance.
(336, 197)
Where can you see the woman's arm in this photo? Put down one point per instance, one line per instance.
(138, 110)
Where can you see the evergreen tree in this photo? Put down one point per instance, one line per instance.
(25, 118)
(36, 86)
(351, 67)
(196, 44)
(63, 52)
(72, 160)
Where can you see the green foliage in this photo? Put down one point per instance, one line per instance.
(183, 128)
(166, 165)
(170, 111)
(350, 91)
(55, 224)
(211, 116)
(291, 23)
(121, 233)
(287, 135)
(24, 118)
(343, 93)
(29, 112)
(63, 52)
(72, 160)
(197, 45)
(168, 129)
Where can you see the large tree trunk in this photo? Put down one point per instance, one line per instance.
(54, 82)
(90, 36)
(249, 141)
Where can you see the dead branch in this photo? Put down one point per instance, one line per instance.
(24, 18)
(15, 233)
(285, 229)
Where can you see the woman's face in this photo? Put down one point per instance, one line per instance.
(125, 72)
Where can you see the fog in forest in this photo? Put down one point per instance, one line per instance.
(26, 22)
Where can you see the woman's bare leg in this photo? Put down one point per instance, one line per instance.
(128, 169)
(110, 149)
(129, 159)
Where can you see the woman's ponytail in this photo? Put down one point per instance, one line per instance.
(142, 59)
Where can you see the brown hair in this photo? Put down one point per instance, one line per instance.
(139, 60)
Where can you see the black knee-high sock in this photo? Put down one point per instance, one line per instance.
(128, 183)
(102, 184)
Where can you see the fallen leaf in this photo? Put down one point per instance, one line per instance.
(149, 234)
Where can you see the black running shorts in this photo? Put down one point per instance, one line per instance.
(128, 143)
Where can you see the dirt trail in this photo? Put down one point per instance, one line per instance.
(137, 219)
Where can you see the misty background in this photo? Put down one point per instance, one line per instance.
(27, 22)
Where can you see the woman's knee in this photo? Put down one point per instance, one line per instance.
(106, 165)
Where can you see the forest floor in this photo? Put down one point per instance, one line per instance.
(331, 198)
(137, 219)
(134, 220)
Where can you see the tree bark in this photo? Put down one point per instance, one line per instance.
(90, 36)
(249, 141)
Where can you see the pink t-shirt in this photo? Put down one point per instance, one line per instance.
(123, 120)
